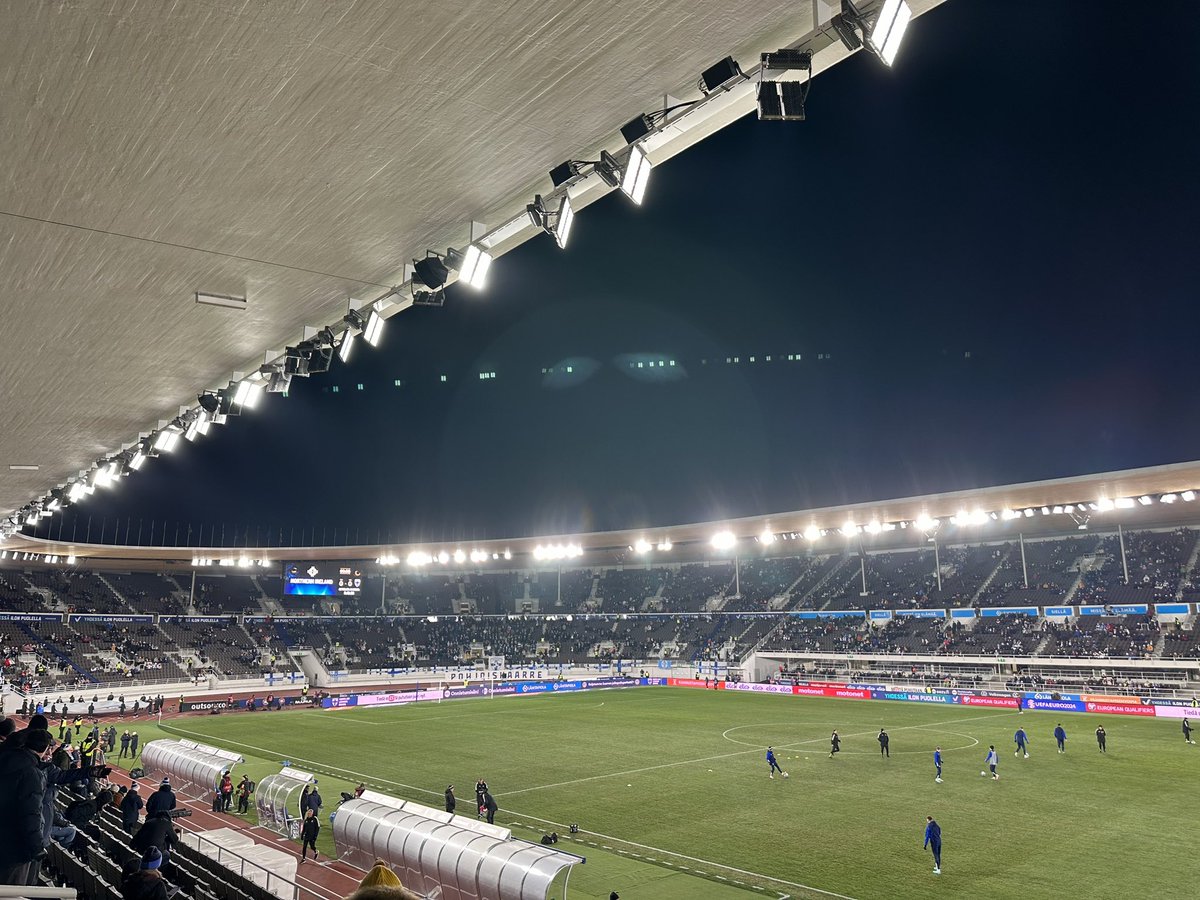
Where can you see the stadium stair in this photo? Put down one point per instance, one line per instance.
(108, 584)
(1190, 567)
(991, 577)
(66, 661)
(832, 573)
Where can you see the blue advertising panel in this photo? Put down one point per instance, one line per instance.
(1172, 609)
(30, 617)
(913, 697)
(992, 612)
(922, 613)
(804, 615)
(962, 613)
(841, 614)
(1057, 705)
(1115, 609)
(881, 614)
(1059, 611)
(100, 617)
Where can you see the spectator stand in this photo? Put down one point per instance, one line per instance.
(194, 770)
(433, 850)
(278, 800)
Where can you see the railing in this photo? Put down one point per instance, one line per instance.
(38, 893)
(242, 865)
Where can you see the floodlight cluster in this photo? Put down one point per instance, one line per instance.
(544, 552)
(420, 558)
(241, 562)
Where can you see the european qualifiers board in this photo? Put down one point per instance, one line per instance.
(323, 578)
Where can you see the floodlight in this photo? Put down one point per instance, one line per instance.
(784, 79)
(478, 556)
(1124, 503)
(1145, 500)
(767, 537)
(508, 554)
(247, 394)
(1045, 510)
(443, 557)
(209, 402)
(1105, 505)
(76, 492)
(812, 533)
(873, 527)
(641, 546)
(718, 75)
(460, 556)
(1167, 498)
(346, 346)
(279, 384)
(889, 29)
(566, 217)
(374, 329)
(637, 128)
(472, 265)
(665, 545)
(844, 25)
(1070, 508)
(723, 540)
(166, 440)
(1009, 514)
(1187, 496)
(636, 176)
(431, 271)
(1058, 510)
(1029, 513)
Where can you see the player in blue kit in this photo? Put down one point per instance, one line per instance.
(937, 761)
(1060, 737)
(992, 759)
(933, 840)
(775, 767)
(1021, 739)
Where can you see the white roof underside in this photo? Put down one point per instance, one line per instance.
(296, 153)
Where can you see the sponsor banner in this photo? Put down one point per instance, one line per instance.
(666, 663)
(1115, 698)
(499, 690)
(1053, 695)
(394, 698)
(992, 612)
(198, 620)
(912, 697)
(962, 613)
(1124, 708)
(338, 702)
(760, 688)
(98, 617)
(613, 683)
(1172, 609)
(1060, 610)
(849, 693)
(842, 614)
(803, 615)
(877, 614)
(532, 687)
(1164, 710)
(689, 682)
(1187, 703)
(1002, 702)
(803, 690)
(922, 613)
(1031, 702)
(203, 705)
(30, 617)
(1115, 609)
(654, 682)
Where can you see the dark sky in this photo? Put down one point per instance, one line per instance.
(994, 244)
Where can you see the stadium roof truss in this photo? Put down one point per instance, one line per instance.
(294, 155)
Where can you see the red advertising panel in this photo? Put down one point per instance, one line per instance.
(1121, 708)
(693, 682)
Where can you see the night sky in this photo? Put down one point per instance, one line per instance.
(985, 258)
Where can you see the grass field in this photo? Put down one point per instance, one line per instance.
(671, 793)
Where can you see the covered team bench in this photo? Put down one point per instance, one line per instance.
(194, 770)
(465, 858)
(278, 800)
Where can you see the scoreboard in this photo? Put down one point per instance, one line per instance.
(327, 578)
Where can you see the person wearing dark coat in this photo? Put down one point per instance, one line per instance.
(157, 831)
(161, 801)
(141, 878)
(23, 785)
(130, 807)
(450, 802)
(314, 802)
(481, 788)
(308, 834)
(133, 745)
(81, 812)
(489, 804)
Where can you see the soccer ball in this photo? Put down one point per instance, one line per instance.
(983, 773)
(785, 775)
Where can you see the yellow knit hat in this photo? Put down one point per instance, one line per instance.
(381, 876)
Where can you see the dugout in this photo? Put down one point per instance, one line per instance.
(194, 769)
(278, 800)
(430, 849)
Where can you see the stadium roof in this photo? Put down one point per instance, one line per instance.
(1154, 497)
(295, 154)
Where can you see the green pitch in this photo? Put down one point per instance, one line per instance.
(670, 789)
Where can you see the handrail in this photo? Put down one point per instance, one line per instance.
(38, 893)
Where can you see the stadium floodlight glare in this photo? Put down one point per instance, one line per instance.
(1124, 502)
(76, 492)
(874, 527)
(812, 533)
(508, 554)
(665, 545)
(1045, 510)
(1145, 500)
(1028, 513)
(1167, 498)
(460, 556)
(374, 329)
(889, 29)
(1058, 510)
(641, 546)
(849, 528)
(247, 394)
(767, 536)
(479, 556)
(1105, 505)
(636, 175)
(419, 558)
(557, 224)
(166, 440)
(1187, 496)
(1009, 514)
(346, 346)
(472, 265)
(723, 540)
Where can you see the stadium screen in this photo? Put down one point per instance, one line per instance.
(327, 578)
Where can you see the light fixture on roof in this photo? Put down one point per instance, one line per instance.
(76, 492)
(767, 536)
(723, 540)
(460, 556)
(557, 224)
(812, 533)
(1045, 510)
(873, 527)
(1145, 500)
(636, 175)
(665, 545)
(849, 528)
(1104, 504)
(883, 32)
(926, 523)
(1124, 503)
(1028, 513)
(719, 75)
(472, 265)
(1187, 496)
(247, 393)
(1168, 498)
(166, 440)
(784, 78)
(641, 546)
